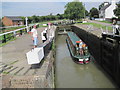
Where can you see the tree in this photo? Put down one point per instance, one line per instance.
(86, 13)
(94, 13)
(101, 5)
(23, 18)
(74, 10)
(1, 23)
(30, 20)
(117, 10)
(59, 16)
(35, 18)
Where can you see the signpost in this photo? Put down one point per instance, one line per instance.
(27, 24)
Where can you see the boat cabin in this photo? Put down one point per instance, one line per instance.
(78, 49)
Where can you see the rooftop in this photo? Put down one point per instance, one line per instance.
(104, 7)
(14, 18)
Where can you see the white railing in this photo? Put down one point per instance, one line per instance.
(11, 26)
(27, 29)
(12, 31)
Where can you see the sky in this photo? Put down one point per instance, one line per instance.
(39, 8)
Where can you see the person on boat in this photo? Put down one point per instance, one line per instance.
(85, 49)
(77, 47)
(81, 48)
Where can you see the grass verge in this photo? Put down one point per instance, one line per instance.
(105, 22)
(97, 25)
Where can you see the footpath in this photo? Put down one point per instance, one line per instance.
(14, 62)
(95, 30)
(102, 23)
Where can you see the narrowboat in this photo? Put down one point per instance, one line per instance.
(78, 49)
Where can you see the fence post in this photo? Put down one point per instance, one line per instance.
(14, 33)
(20, 32)
(25, 30)
(30, 28)
(4, 41)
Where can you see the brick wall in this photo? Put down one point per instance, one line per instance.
(7, 22)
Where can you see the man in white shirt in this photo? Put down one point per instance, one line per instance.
(34, 36)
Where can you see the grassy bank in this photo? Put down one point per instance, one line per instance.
(98, 25)
(106, 22)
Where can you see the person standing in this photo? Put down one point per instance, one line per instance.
(77, 47)
(115, 27)
(43, 36)
(49, 25)
(45, 33)
(81, 48)
(34, 36)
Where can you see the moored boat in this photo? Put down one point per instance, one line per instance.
(78, 49)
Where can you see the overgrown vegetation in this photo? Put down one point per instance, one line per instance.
(53, 45)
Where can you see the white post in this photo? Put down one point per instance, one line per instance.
(26, 21)
(27, 24)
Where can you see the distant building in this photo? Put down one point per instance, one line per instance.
(106, 12)
(12, 21)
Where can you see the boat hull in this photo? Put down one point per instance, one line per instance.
(75, 59)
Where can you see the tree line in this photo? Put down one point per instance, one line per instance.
(73, 10)
(35, 19)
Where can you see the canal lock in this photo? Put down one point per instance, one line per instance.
(95, 47)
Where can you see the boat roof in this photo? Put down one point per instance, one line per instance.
(73, 37)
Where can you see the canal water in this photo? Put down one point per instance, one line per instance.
(68, 74)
